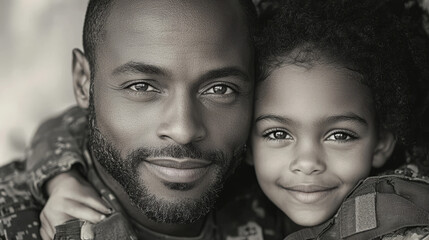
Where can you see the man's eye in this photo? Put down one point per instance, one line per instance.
(341, 136)
(219, 89)
(142, 87)
(278, 135)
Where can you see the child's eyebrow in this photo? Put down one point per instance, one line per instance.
(346, 117)
(276, 118)
(329, 120)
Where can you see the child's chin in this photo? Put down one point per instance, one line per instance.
(310, 219)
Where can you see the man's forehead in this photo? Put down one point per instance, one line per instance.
(175, 15)
(159, 32)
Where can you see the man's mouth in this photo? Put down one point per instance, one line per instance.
(178, 170)
(308, 194)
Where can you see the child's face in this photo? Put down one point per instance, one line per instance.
(314, 138)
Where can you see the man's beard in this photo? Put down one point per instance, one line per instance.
(125, 172)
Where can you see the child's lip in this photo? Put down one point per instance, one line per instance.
(309, 188)
(309, 194)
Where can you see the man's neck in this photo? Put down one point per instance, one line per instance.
(138, 217)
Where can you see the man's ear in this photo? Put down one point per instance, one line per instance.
(384, 149)
(81, 78)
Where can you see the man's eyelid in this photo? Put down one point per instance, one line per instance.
(150, 83)
(209, 86)
(233, 73)
(127, 83)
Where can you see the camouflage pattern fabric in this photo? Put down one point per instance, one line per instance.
(19, 212)
(55, 148)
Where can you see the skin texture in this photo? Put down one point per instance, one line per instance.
(315, 136)
(170, 74)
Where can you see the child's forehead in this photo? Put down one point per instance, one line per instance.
(311, 75)
(318, 91)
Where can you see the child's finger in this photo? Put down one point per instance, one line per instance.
(46, 226)
(86, 195)
(95, 202)
(44, 235)
(76, 210)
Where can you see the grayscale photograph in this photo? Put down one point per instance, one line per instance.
(214, 120)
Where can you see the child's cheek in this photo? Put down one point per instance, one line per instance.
(352, 166)
(270, 164)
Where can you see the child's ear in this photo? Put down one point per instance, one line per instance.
(81, 78)
(249, 156)
(384, 149)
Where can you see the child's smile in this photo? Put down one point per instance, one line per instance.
(309, 192)
(315, 136)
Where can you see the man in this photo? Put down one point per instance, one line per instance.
(163, 80)
(168, 86)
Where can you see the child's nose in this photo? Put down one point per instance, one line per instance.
(308, 161)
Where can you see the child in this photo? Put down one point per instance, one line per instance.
(333, 101)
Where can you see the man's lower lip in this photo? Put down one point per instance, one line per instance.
(177, 175)
(309, 197)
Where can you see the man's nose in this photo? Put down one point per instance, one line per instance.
(182, 121)
(308, 159)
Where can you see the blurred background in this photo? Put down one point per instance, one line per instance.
(36, 39)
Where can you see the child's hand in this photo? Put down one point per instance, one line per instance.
(70, 196)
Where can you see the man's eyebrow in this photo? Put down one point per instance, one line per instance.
(225, 72)
(139, 67)
(272, 117)
(347, 117)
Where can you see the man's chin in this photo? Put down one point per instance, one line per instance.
(173, 202)
(185, 207)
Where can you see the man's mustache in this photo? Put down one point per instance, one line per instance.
(179, 151)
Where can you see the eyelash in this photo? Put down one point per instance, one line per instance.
(229, 88)
(269, 132)
(350, 136)
(151, 88)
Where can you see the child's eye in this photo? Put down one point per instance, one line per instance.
(341, 137)
(142, 87)
(277, 135)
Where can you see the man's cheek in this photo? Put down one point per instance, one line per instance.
(231, 127)
(125, 124)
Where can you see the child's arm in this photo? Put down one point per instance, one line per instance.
(70, 196)
(54, 162)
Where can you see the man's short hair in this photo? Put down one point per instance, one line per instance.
(98, 11)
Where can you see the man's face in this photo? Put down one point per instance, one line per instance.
(172, 102)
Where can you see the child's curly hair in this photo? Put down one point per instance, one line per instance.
(361, 35)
